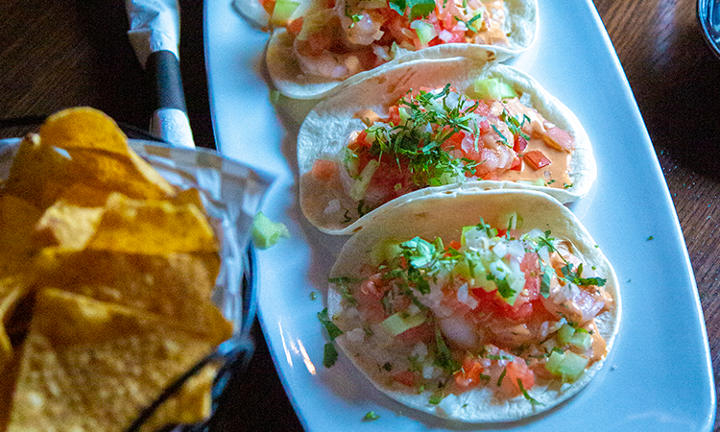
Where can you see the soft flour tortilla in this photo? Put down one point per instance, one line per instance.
(327, 127)
(521, 27)
(444, 215)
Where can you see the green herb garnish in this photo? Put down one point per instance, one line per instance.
(525, 393)
(333, 330)
(370, 416)
(330, 355)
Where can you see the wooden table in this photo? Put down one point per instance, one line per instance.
(62, 53)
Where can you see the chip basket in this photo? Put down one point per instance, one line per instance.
(232, 194)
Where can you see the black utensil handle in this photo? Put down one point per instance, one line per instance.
(164, 68)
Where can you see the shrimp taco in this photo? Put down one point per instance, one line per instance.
(478, 306)
(338, 42)
(436, 125)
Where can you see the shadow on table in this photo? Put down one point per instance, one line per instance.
(680, 102)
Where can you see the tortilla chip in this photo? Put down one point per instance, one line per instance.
(153, 228)
(177, 286)
(96, 143)
(101, 364)
(67, 225)
(39, 173)
(11, 291)
(84, 128)
(122, 174)
(14, 284)
(7, 387)
(190, 196)
(191, 404)
(17, 224)
(84, 195)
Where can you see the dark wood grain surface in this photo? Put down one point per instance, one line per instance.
(62, 53)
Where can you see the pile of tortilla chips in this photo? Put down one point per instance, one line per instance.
(106, 274)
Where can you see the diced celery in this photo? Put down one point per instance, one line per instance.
(568, 366)
(404, 114)
(357, 191)
(554, 361)
(266, 233)
(493, 89)
(400, 322)
(283, 11)
(425, 31)
(565, 334)
(514, 221)
(581, 340)
(573, 366)
(384, 252)
(536, 182)
(477, 20)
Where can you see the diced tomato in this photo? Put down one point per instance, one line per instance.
(359, 142)
(469, 376)
(536, 159)
(422, 333)
(454, 245)
(389, 181)
(268, 5)
(530, 265)
(324, 169)
(520, 143)
(295, 26)
(484, 110)
(516, 164)
(559, 139)
(394, 115)
(406, 378)
(315, 44)
(525, 304)
(369, 296)
(517, 370)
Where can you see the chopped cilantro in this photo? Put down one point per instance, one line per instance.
(342, 284)
(575, 278)
(503, 286)
(525, 393)
(547, 274)
(371, 416)
(418, 143)
(417, 8)
(330, 355)
(313, 295)
(498, 357)
(502, 139)
(514, 124)
(437, 397)
(443, 357)
(332, 329)
(650, 238)
(502, 376)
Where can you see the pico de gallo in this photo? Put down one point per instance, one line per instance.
(340, 38)
(498, 309)
(435, 137)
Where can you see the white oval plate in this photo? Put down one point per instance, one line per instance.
(659, 375)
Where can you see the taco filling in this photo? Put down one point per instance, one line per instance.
(498, 310)
(340, 38)
(441, 136)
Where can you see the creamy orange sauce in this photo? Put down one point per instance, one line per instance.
(491, 32)
(554, 175)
